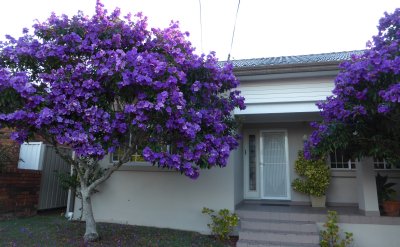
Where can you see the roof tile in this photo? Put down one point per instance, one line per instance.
(300, 59)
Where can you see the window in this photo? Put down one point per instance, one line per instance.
(339, 160)
(137, 157)
(381, 164)
(252, 163)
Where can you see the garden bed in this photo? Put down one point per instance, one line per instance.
(55, 230)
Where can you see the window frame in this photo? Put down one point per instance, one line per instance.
(135, 162)
(351, 164)
(385, 166)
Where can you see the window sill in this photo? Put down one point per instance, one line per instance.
(395, 173)
(343, 173)
(352, 173)
(142, 166)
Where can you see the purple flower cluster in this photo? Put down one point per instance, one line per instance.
(365, 99)
(96, 83)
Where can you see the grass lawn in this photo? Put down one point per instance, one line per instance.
(55, 230)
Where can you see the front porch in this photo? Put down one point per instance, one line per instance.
(265, 223)
(264, 169)
(347, 214)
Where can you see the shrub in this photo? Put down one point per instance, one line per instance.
(330, 237)
(315, 173)
(222, 223)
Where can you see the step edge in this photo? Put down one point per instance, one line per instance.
(278, 231)
(296, 222)
(276, 243)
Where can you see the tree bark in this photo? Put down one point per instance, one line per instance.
(91, 234)
(84, 171)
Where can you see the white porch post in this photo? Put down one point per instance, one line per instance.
(366, 187)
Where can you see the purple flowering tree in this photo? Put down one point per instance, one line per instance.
(363, 114)
(107, 84)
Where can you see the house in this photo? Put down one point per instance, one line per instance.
(280, 93)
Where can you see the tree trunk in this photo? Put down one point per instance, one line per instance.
(91, 234)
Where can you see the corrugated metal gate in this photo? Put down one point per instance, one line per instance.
(39, 156)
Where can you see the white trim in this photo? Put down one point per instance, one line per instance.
(288, 197)
(279, 107)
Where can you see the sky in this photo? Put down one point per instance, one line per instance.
(264, 28)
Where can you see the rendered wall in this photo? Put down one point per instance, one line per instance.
(372, 235)
(236, 160)
(343, 187)
(149, 196)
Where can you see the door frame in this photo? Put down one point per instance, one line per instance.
(261, 177)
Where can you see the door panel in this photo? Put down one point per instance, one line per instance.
(274, 165)
(252, 159)
(251, 164)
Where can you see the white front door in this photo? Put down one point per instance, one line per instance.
(274, 165)
(266, 166)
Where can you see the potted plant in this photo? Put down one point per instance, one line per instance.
(314, 181)
(385, 196)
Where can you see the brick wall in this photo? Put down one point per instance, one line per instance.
(19, 192)
(19, 189)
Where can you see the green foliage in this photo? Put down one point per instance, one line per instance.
(10, 100)
(330, 237)
(7, 155)
(68, 181)
(315, 173)
(222, 223)
(384, 189)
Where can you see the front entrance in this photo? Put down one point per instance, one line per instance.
(266, 165)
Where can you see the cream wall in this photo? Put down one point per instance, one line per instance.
(236, 159)
(343, 187)
(149, 196)
(371, 235)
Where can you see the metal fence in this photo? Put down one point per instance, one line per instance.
(39, 156)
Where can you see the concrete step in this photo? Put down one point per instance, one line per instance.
(279, 225)
(287, 216)
(249, 243)
(283, 237)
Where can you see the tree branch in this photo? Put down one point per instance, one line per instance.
(128, 151)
